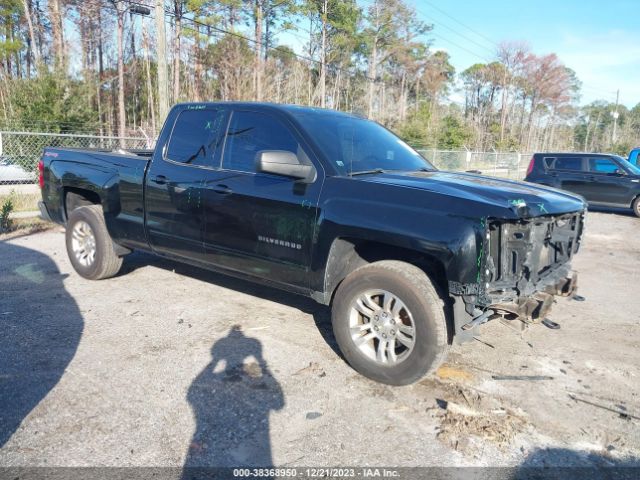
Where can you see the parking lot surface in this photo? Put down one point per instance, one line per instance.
(169, 365)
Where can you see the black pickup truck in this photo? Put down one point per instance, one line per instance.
(331, 206)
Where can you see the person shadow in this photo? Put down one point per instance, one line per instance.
(232, 399)
(40, 329)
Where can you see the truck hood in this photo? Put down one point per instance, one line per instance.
(521, 198)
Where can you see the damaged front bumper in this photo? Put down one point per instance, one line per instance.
(527, 264)
(535, 307)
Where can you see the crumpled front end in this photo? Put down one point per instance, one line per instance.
(522, 264)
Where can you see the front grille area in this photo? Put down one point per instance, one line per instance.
(523, 252)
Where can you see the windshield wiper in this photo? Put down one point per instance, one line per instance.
(367, 172)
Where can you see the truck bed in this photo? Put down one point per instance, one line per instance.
(117, 176)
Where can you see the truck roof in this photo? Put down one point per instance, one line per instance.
(283, 107)
(573, 153)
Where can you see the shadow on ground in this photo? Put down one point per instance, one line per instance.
(565, 464)
(231, 400)
(40, 328)
(321, 314)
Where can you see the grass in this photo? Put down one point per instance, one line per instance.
(22, 202)
(26, 226)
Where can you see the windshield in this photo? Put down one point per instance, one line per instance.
(628, 165)
(356, 145)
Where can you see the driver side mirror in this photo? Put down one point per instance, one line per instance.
(286, 164)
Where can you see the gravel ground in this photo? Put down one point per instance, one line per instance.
(169, 365)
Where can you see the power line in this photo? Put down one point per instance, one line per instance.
(448, 40)
(430, 19)
(462, 24)
(461, 47)
(456, 32)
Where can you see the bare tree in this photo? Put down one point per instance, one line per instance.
(512, 56)
(178, 12)
(55, 15)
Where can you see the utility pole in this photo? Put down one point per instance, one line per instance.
(163, 84)
(615, 115)
(323, 55)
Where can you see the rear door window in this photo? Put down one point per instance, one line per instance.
(603, 165)
(548, 162)
(195, 137)
(568, 163)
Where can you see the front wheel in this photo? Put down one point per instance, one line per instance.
(89, 245)
(389, 322)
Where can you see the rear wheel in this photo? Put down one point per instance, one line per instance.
(389, 322)
(89, 245)
(636, 206)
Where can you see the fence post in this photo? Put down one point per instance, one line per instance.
(518, 167)
(0, 144)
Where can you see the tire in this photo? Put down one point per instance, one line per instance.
(92, 254)
(419, 305)
(636, 206)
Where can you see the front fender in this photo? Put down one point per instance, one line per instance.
(455, 241)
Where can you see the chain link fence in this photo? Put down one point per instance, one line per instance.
(512, 165)
(20, 151)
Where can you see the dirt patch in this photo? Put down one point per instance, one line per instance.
(469, 417)
(465, 430)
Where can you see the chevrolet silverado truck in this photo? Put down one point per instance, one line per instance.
(331, 206)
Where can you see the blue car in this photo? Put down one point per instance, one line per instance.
(634, 156)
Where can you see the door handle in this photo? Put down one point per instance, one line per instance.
(222, 189)
(160, 179)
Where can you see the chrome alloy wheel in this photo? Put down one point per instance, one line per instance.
(382, 327)
(83, 243)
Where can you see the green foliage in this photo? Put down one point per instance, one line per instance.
(453, 134)
(283, 54)
(51, 102)
(5, 211)
(414, 129)
(10, 43)
(594, 132)
(622, 148)
(509, 144)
